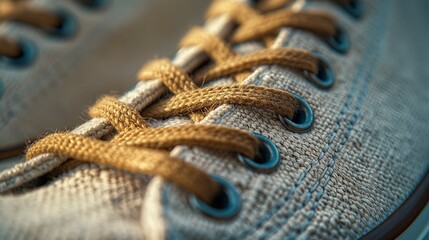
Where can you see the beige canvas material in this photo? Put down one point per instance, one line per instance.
(363, 157)
(16, 178)
(140, 97)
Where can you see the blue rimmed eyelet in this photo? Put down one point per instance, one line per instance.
(340, 42)
(325, 78)
(354, 8)
(226, 204)
(268, 158)
(67, 27)
(27, 55)
(303, 118)
(95, 4)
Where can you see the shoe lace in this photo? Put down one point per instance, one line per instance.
(21, 11)
(142, 149)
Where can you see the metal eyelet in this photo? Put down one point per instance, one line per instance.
(268, 158)
(303, 118)
(94, 4)
(26, 57)
(325, 78)
(67, 27)
(226, 205)
(340, 42)
(354, 8)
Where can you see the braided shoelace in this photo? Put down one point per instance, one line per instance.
(139, 148)
(21, 11)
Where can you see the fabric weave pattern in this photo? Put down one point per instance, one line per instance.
(363, 157)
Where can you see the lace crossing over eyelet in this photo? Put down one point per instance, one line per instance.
(67, 27)
(268, 159)
(226, 205)
(325, 78)
(26, 57)
(354, 8)
(303, 118)
(340, 42)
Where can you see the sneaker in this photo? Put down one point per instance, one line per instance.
(276, 120)
(56, 57)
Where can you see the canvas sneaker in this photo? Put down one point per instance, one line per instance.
(56, 57)
(275, 120)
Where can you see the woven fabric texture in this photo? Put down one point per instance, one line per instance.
(364, 156)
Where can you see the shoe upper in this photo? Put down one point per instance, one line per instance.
(364, 155)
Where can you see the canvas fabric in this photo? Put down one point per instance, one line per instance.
(364, 156)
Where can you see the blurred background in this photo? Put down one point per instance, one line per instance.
(151, 30)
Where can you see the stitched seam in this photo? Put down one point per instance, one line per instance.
(352, 122)
(329, 167)
(171, 231)
(302, 176)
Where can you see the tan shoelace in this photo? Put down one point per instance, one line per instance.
(141, 149)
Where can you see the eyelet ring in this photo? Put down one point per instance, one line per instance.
(226, 205)
(27, 56)
(269, 157)
(94, 4)
(354, 8)
(67, 27)
(325, 78)
(340, 42)
(302, 120)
